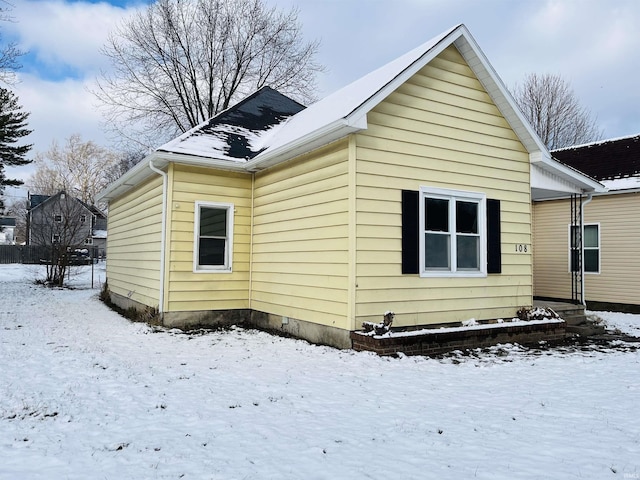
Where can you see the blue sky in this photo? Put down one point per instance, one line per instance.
(593, 44)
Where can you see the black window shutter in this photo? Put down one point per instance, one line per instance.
(494, 247)
(410, 234)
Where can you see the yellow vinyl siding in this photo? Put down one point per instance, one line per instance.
(551, 249)
(618, 280)
(300, 243)
(133, 243)
(204, 291)
(439, 129)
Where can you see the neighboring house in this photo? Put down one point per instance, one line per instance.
(611, 229)
(407, 191)
(7, 230)
(66, 220)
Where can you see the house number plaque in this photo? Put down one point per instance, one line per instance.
(522, 248)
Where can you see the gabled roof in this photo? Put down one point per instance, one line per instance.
(345, 112)
(604, 160)
(239, 133)
(36, 201)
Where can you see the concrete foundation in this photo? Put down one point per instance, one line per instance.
(312, 332)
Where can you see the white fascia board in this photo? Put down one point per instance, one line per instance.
(196, 161)
(323, 136)
(141, 171)
(586, 183)
(407, 73)
(562, 181)
(130, 179)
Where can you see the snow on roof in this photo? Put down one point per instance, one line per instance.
(346, 100)
(99, 234)
(596, 143)
(240, 132)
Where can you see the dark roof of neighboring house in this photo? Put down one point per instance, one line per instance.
(7, 222)
(238, 130)
(604, 160)
(36, 200)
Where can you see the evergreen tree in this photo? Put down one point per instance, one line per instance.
(13, 126)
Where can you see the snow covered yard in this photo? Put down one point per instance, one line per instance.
(85, 393)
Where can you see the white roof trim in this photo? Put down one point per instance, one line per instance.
(345, 112)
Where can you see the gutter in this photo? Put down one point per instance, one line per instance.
(163, 234)
(582, 287)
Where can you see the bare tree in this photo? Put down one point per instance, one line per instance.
(64, 227)
(9, 52)
(553, 109)
(180, 62)
(80, 168)
(125, 161)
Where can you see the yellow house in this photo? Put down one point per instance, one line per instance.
(409, 190)
(609, 253)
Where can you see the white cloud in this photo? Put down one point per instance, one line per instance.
(58, 110)
(71, 34)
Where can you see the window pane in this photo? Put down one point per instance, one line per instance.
(436, 251)
(591, 260)
(213, 222)
(466, 217)
(591, 236)
(211, 251)
(436, 214)
(575, 259)
(468, 252)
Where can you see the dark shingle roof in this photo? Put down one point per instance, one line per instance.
(605, 160)
(235, 132)
(37, 200)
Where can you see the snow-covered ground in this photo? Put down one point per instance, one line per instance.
(85, 393)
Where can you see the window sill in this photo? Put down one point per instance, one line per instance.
(453, 274)
(212, 270)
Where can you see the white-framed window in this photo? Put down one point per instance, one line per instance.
(213, 237)
(83, 218)
(55, 238)
(57, 218)
(453, 233)
(590, 245)
(88, 241)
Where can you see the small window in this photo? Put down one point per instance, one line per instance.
(57, 218)
(213, 237)
(590, 247)
(83, 218)
(453, 238)
(88, 241)
(56, 238)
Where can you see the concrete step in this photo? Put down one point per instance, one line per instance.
(574, 319)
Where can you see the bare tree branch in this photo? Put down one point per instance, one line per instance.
(180, 62)
(9, 53)
(80, 168)
(549, 103)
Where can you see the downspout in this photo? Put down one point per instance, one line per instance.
(253, 189)
(584, 204)
(163, 234)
